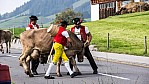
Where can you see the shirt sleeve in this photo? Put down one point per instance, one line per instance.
(27, 28)
(65, 33)
(86, 30)
(37, 26)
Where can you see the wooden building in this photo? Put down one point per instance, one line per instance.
(104, 8)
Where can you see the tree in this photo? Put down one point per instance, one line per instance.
(67, 15)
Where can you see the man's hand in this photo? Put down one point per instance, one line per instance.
(87, 43)
(69, 39)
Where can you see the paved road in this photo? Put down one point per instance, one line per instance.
(109, 73)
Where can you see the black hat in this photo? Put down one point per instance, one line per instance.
(32, 17)
(64, 22)
(77, 21)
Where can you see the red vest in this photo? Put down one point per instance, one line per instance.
(31, 26)
(59, 38)
(82, 33)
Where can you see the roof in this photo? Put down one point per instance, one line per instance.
(102, 1)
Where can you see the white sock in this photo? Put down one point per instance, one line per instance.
(68, 68)
(49, 69)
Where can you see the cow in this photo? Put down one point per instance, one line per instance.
(5, 37)
(38, 42)
(133, 7)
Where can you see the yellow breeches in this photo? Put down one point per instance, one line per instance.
(59, 52)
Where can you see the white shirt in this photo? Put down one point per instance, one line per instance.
(65, 33)
(34, 26)
(77, 32)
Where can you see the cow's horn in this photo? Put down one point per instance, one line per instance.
(49, 29)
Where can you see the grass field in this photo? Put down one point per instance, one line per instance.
(17, 31)
(127, 33)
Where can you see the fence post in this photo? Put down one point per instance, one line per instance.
(145, 45)
(108, 40)
(41, 25)
(13, 31)
(140, 8)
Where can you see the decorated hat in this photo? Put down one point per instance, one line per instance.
(64, 22)
(77, 21)
(32, 17)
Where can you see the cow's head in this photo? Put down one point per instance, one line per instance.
(76, 47)
(80, 55)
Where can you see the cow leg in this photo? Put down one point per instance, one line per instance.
(34, 64)
(23, 51)
(9, 46)
(73, 62)
(19, 60)
(6, 47)
(2, 48)
(35, 61)
(28, 59)
(70, 61)
(23, 62)
(58, 68)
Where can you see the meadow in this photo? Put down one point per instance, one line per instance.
(126, 33)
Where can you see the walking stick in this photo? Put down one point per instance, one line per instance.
(49, 56)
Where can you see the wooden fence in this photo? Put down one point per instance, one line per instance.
(145, 43)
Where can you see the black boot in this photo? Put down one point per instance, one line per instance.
(49, 77)
(35, 72)
(95, 72)
(73, 75)
(68, 73)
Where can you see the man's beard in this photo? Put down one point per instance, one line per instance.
(77, 26)
(33, 23)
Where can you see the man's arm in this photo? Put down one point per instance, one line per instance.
(89, 35)
(29, 27)
(89, 38)
(37, 26)
(65, 33)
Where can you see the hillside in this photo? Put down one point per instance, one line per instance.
(127, 33)
(44, 9)
(22, 21)
(47, 7)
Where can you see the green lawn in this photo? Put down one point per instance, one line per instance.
(126, 33)
(17, 31)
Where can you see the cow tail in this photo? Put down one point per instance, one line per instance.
(15, 39)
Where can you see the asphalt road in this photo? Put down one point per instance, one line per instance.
(108, 73)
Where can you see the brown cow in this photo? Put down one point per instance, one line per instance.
(134, 7)
(5, 37)
(38, 41)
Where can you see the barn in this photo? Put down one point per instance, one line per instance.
(104, 8)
